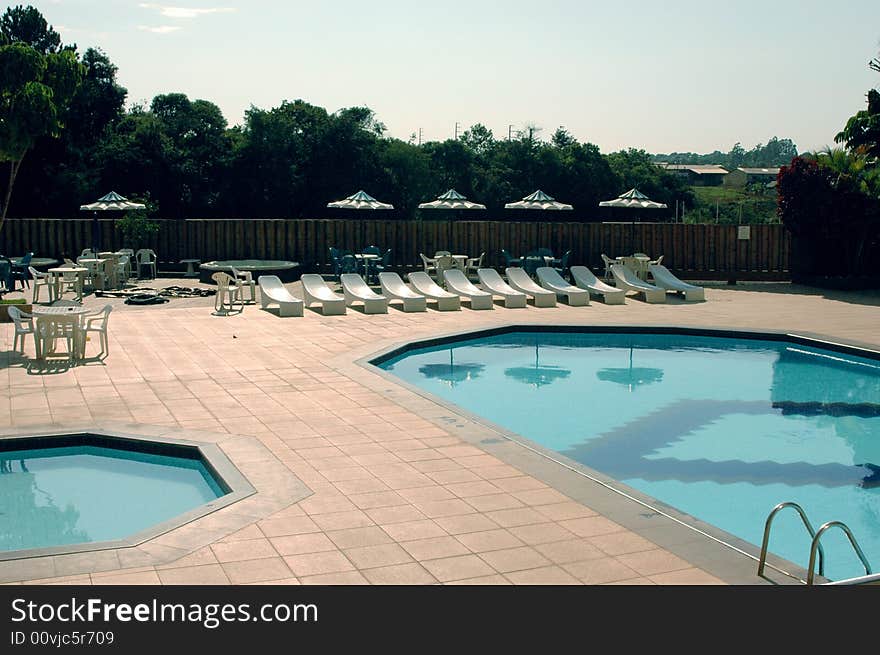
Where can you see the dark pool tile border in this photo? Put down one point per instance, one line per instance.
(245, 504)
(716, 551)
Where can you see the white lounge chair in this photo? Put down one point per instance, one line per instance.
(273, 292)
(395, 289)
(491, 281)
(665, 279)
(626, 279)
(549, 278)
(585, 279)
(446, 300)
(520, 280)
(354, 289)
(457, 282)
(315, 290)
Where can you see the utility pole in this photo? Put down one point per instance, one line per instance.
(456, 130)
(509, 132)
(420, 136)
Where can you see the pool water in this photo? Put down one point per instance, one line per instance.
(84, 494)
(720, 428)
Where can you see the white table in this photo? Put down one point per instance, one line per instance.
(52, 322)
(99, 272)
(58, 273)
(638, 265)
(369, 259)
(190, 267)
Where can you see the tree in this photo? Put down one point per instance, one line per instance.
(36, 87)
(862, 131)
(26, 25)
(59, 173)
(822, 200)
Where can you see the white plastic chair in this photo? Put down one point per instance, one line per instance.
(148, 258)
(429, 263)
(245, 280)
(585, 279)
(315, 290)
(42, 280)
(608, 264)
(550, 279)
(520, 280)
(228, 293)
(24, 325)
(123, 268)
(97, 322)
(626, 279)
(273, 292)
(474, 264)
(355, 289)
(458, 283)
(665, 279)
(491, 281)
(446, 300)
(394, 288)
(49, 329)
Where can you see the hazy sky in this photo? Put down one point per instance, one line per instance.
(681, 75)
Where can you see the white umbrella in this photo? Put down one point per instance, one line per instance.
(537, 200)
(360, 200)
(452, 199)
(633, 198)
(112, 201)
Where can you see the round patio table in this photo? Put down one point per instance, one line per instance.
(47, 321)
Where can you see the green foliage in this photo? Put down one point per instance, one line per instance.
(37, 83)
(137, 226)
(732, 206)
(776, 152)
(26, 25)
(822, 201)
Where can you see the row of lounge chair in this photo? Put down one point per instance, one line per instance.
(514, 292)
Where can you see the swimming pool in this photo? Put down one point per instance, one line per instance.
(72, 491)
(720, 428)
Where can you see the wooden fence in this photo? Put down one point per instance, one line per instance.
(706, 251)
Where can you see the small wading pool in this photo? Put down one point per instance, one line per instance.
(287, 271)
(78, 492)
(716, 428)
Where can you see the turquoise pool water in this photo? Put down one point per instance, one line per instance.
(83, 494)
(720, 428)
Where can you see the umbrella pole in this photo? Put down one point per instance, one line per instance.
(95, 238)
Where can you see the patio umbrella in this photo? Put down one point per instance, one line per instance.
(111, 202)
(452, 199)
(538, 200)
(360, 200)
(633, 199)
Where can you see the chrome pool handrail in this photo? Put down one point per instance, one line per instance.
(816, 545)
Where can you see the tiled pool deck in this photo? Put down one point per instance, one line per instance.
(398, 489)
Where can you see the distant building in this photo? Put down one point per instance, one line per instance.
(697, 174)
(743, 177)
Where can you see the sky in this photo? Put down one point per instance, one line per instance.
(671, 76)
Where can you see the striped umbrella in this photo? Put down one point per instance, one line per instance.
(538, 200)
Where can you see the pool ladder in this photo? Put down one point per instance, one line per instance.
(815, 546)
